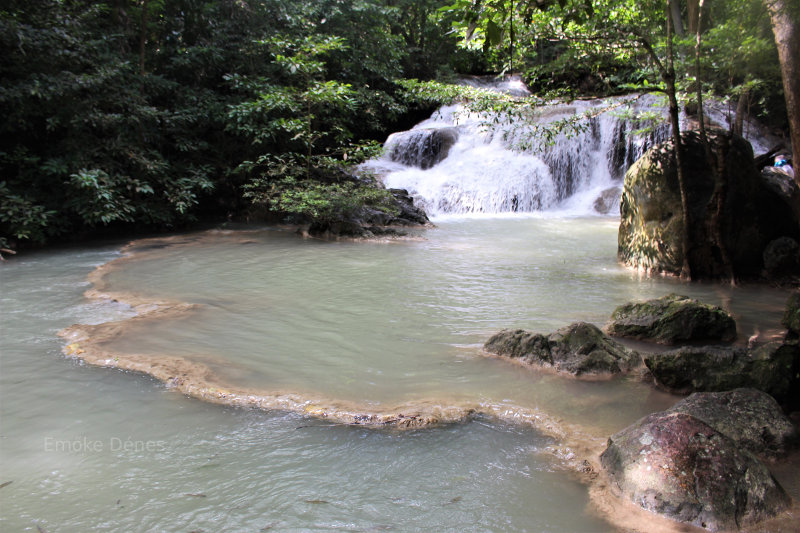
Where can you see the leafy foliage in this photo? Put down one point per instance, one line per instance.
(146, 113)
(131, 114)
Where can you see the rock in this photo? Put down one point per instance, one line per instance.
(791, 316)
(672, 319)
(675, 464)
(752, 213)
(424, 147)
(782, 258)
(777, 179)
(577, 349)
(753, 419)
(608, 200)
(772, 368)
(369, 221)
(409, 214)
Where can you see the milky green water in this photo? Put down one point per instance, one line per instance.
(373, 323)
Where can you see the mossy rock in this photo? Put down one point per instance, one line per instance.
(672, 319)
(577, 349)
(748, 214)
(791, 316)
(772, 368)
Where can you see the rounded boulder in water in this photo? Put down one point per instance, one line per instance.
(676, 465)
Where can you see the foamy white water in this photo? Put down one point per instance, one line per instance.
(481, 168)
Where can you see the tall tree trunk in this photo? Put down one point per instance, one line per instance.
(784, 15)
(716, 204)
(143, 37)
(741, 110)
(668, 75)
(511, 38)
(694, 15)
(119, 18)
(675, 13)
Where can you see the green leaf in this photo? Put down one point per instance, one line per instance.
(494, 33)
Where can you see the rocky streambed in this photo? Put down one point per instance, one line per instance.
(705, 461)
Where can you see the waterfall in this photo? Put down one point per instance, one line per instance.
(453, 163)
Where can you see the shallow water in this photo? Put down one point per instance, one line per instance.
(363, 322)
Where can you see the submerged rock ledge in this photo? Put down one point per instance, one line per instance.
(198, 380)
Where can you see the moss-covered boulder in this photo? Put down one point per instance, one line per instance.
(791, 316)
(748, 213)
(679, 466)
(672, 319)
(772, 368)
(577, 349)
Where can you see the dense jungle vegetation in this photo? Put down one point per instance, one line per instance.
(134, 115)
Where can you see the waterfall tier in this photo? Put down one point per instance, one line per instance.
(457, 162)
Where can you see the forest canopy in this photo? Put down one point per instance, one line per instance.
(153, 114)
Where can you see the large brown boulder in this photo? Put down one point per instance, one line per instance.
(748, 213)
(677, 465)
(577, 349)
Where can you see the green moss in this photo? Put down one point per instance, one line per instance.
(671, 319)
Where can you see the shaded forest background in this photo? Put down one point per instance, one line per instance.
(142, 115)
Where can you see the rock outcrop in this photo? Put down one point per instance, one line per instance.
(772, 368)
(750, 417)
(608, 200)
(577, 349)
(677, 465)
(672, 319)
(370, 222)
(424, 147)
(737, 216)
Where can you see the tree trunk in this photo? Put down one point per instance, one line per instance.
(717, 164)
(741, 110)
(784, 15)
(694, 15)
(675, 13)
(143, 37)
(674, 117)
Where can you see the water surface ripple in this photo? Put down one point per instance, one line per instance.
(365, 326)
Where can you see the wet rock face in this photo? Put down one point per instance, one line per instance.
(782, 258)
(423, 148)
(577, 349)
(672, 319)
(772, 368)
(751, 213)
(677, 465)
(608, 200)
(750, 417)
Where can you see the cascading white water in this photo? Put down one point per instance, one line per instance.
(457, 162)
(479, 168)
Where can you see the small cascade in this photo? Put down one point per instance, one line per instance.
(597, 157)
(452, 163)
